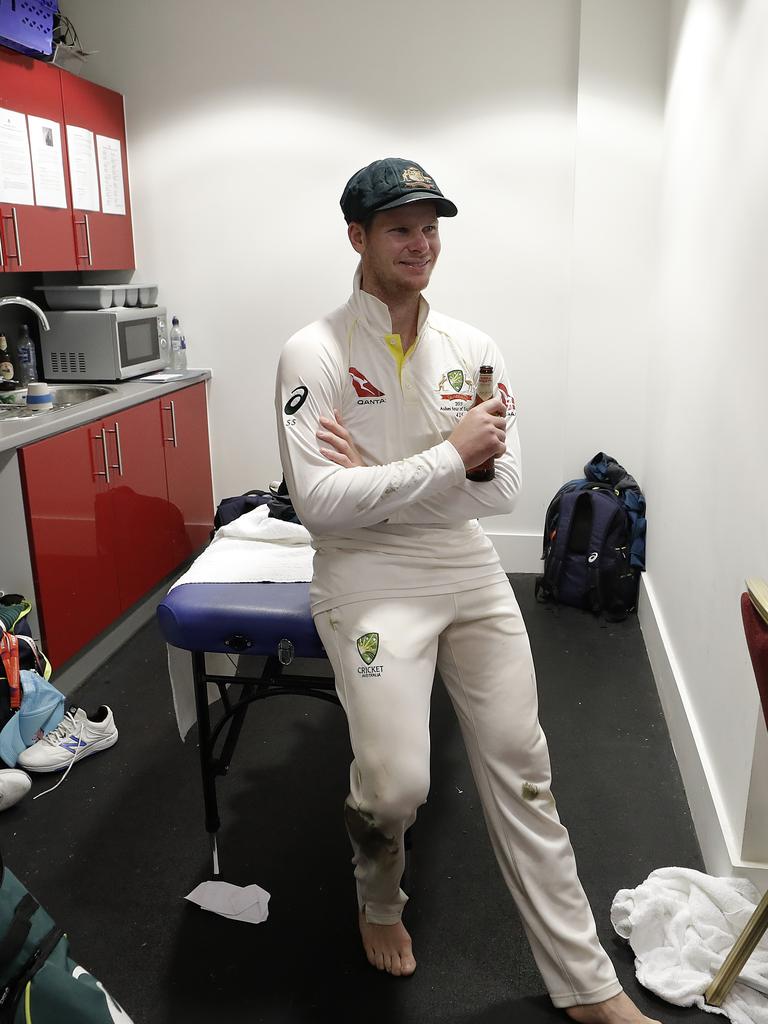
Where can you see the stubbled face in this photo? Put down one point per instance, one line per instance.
(399, 250)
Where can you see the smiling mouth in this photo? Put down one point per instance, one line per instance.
(416, 266)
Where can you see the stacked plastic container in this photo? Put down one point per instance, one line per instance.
(97, 296)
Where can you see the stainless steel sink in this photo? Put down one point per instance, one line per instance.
(65, 396)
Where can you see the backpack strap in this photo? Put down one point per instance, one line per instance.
(546, 587)
(605, 508)
(12, 991)
(9, 654)
(552, 517)
(18, 930)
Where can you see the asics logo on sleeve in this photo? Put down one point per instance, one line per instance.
(364, 389)
(297, 399)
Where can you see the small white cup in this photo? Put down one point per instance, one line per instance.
(39, 396)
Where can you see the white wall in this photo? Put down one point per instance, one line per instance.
(244, 125)
(613, 245)
(705, 478)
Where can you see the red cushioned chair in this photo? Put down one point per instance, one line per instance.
(754, 612)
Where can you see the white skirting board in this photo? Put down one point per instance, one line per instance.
(518, 552)
(718, 847)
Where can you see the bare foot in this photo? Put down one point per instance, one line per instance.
(617, 1010)
(388, 947)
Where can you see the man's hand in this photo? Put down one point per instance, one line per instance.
(481, 432)
(342, 450)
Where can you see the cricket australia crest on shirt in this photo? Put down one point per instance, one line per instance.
(368, 648)
(455, 389)
(367, 393)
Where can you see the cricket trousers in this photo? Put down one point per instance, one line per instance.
(383, 653)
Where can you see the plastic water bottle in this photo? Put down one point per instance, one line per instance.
(176, 339)
(183, 354)
(25, 357)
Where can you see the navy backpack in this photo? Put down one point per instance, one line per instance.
(594, 541)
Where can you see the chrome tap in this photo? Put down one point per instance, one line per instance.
(19, 300)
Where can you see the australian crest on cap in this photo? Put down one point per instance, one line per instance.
(414, 177)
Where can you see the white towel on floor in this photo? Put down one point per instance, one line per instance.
(255, 548)
(681, 925)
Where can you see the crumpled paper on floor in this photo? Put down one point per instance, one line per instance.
(237, 902)
(681, 925)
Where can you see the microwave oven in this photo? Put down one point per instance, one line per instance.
(104, 344)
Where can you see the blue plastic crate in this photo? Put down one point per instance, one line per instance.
(27, 25)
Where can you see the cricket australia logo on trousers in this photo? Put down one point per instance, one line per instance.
(368, 648)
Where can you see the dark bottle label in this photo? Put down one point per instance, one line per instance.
(485, 471)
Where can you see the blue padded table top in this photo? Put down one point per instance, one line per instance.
(247, 618)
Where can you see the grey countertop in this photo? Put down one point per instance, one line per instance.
(16, 433)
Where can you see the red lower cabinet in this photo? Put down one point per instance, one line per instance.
(113, 507)
(141, 516)
(69, 519)
(188, 469)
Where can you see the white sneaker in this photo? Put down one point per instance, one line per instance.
(77, 737)
(13, 786)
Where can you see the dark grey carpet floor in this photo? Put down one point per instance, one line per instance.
(114, 850)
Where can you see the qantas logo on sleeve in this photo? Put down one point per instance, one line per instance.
(509, 399)
(367, 393)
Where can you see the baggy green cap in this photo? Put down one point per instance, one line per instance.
(387, 183)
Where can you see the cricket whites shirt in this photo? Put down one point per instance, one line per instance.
(405, 523)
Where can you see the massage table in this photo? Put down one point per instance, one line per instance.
(244, 619)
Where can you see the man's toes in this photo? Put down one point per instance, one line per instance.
(388, 963)
(380, 961)
(394, 968)
(407, 964)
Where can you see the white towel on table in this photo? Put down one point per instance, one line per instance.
(681, 925)
(255, 548)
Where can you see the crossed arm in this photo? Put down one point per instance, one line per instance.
(480, 433)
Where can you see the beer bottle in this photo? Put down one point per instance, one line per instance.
(486, 470)
(6, 366)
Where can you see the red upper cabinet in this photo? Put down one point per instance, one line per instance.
(37, 236)
(103, 240)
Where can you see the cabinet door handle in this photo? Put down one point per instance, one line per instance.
(80, 224)
(2, 261)
(88, 239)
(103, 436)
(116, 432)
(174, 437)
(16, 232)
